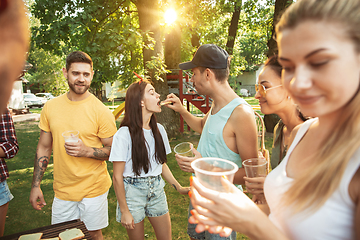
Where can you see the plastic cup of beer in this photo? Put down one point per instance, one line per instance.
(184, 149)
(209, 172)
(255, 167)
(71, 136)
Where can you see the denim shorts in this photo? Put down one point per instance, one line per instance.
(205, 235)
(145, 197)
(5, 194)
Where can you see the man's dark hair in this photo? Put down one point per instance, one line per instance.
(221, 74)
(76, 57)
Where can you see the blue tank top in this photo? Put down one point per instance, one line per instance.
(211, 142)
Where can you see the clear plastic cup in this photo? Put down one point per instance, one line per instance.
(184, 149)
(255, 167)
(210, 170)
(71, 136)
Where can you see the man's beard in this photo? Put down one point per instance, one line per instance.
(75, 90)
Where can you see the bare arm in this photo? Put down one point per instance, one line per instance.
(195, 123)
(127, 219)
(243, 123)
(79, 149)
(357, 219)
(169, 177)
(354, 192)
(42, 157)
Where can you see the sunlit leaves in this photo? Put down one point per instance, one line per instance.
(106, 30)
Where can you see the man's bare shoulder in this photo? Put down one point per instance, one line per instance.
(242, 112)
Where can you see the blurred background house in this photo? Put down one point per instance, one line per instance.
(247, 81)
(113, 91)
(16, 102)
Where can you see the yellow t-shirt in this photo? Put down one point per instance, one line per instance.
(78, 177)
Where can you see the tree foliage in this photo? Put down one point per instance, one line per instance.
(107, 30)
(210, 21)
(255, 31)
(46, 74)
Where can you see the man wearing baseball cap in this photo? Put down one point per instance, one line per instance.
(228, 130)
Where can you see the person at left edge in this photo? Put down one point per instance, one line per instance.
(81, 179)
(8, 149)
(14, 44)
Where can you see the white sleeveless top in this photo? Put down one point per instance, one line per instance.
(333, 221)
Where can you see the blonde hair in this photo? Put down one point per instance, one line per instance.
(319, 182)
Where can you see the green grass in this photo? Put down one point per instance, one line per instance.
(251, 100)
(21, 216)
(35, 110)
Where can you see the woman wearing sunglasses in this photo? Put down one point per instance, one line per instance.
(274, 99)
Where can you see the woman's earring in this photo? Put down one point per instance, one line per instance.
(288, 97)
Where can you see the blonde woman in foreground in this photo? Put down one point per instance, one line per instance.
(314, 193)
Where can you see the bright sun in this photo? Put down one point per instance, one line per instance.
(170, 16)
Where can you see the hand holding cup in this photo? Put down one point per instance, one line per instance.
(218, 212)
(255, 169)
(71, 136)
(185, 154)
(73, 144)
(209, 172)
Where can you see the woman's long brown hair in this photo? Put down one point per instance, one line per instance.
(133, 120)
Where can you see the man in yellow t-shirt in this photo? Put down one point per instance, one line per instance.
(81, 179)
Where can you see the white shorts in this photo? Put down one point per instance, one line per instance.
(92, 211)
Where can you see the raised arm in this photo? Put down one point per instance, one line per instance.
(243, 123)
(42, 157)
(127, 219)
(195, 123)
(79, 149)
(169, 177)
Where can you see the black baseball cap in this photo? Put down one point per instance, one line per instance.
(209, 56)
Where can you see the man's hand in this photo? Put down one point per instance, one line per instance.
(37, 198)
(76, 149)
(185, 162)
(176, 103)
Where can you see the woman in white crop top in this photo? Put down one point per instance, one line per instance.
(315, 191)
(138, 154)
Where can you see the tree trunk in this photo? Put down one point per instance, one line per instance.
(233, 27)
(280, 6)
(172, 60)
(173, 47)
(148, 11)
(195, 39)
(270, 122)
